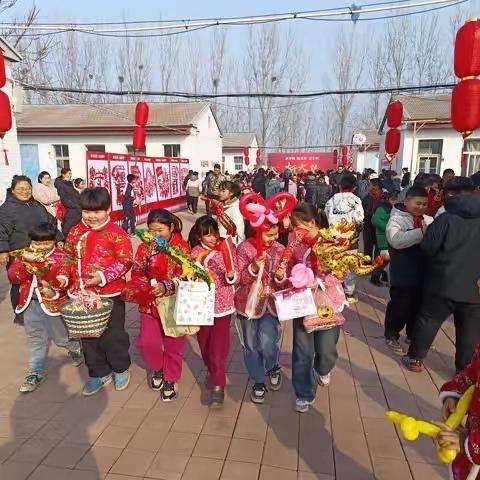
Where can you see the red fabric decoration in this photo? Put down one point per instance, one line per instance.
(467, 50)
(258, 156)
(247, 160)
(466, 106)
(392, 141)
(245, 151)
(344, 155)
(139, 137)
(3, 73)
(141, 114)
(394, 114)
(5, 114)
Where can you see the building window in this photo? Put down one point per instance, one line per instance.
(429, 155)
(62, 157)
(172, 150)
(130, 151)
(471, 154)
(95, 148)
(238, 162)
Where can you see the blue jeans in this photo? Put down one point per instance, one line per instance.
(40, 328)
(316, 350)
(349, 283)
(261, 345)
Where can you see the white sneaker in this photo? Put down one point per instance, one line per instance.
(323, 380)
(302, 406)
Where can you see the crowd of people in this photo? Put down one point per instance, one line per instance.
(427, 232)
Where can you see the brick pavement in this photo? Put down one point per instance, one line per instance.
(56, 434)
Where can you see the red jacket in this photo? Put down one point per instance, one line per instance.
(58, 269)
(105, 250)
(455, 388)
(149, 266)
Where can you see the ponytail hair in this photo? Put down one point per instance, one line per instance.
(165, 217)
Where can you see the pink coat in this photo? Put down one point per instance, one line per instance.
(246, 252)
(224, 288)
(47, 197)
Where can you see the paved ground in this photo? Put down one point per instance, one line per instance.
(55, 434)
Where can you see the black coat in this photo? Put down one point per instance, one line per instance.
(452, 245)
(128, 199)
(259, 185)
(311, 189)
(17, 219)
(70, 200)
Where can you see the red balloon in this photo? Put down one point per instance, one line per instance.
(141, 114)
(467, 50)
(392, 141)
(5, 114)
(139, 137)
(394, 114)
(465, 106)
(3, 73)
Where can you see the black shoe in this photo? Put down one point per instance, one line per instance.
(258, 393)
(18, 320)
(275, 379)
(217, 397)
(156, 380)
(376, 281)
(384, 277)
(168, 392)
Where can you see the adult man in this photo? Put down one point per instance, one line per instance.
(336, 177)
(127, 204)
(213, 183)
(405, 178)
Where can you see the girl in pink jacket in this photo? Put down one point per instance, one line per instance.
(217, 255)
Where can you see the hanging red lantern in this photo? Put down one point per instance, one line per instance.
(139, 137)
(141, 114)
(465, 106)
(467, 50)
(258, 156)
(344, 155)
(392, 141)
(394, 114)
(3, 71)
(5, 114)
(245, 151)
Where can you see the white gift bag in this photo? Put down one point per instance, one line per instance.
(195, 304)
(293, 303)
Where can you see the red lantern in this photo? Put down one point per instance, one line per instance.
(5, 114)
(3, 73)
(139, 137)
(394, 114)
(392, 141)
(467, 50)
(258, 156)
(141, 114)
(344, 155)
(466, 106)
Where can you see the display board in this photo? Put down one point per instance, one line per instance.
(158, 180)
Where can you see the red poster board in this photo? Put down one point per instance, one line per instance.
(155, 187)
(302, 162)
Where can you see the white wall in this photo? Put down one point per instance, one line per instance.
(10, 144)
(367, 159)
(229, 155)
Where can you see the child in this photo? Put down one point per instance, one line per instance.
(379, 222)
(101, 255)
(41, 297)
(261, 333)
(314, 354)
(127, 205)
(153, 276)
(229, 195)
(346, 207)
(405, 230)
(452, 285)
(370, 203)
(216, 256)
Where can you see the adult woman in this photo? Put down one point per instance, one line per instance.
(70, 200)
(44, 193)
(18, 215)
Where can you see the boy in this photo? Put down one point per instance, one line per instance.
(101, 255)
(452, 285)
(405, 231)
(127, 205)
(370, 203)
(41, 296)
(346, 207)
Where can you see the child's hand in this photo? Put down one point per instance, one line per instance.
(448, 438)
(3, 258)
(257, 262)
(280, 273)
(46, 291)
(448, 407)
(159, 290)
(94, 280)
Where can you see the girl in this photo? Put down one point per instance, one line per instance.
(229, 195)
(217, 256)
(153, 276)
(317, 349)
(261, 333)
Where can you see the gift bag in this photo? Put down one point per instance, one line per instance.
(294, 303)
(195, 304)
(166, 309)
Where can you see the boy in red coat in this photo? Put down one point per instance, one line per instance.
(101, 255)
(41, 296)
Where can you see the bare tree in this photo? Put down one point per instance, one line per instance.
(169, 50)
(398, 42)
(218, 47)
(194, 66)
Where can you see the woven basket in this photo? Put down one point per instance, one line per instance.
(87, 323)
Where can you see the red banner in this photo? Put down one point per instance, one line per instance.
(302, 162)
(158, 182)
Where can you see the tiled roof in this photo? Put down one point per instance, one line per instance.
(107, 115)
(240, 140)
(425, 107)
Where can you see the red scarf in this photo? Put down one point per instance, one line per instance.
(417, 221)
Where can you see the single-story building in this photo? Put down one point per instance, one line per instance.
(428, 141)
(55, 136)
(234, 147)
